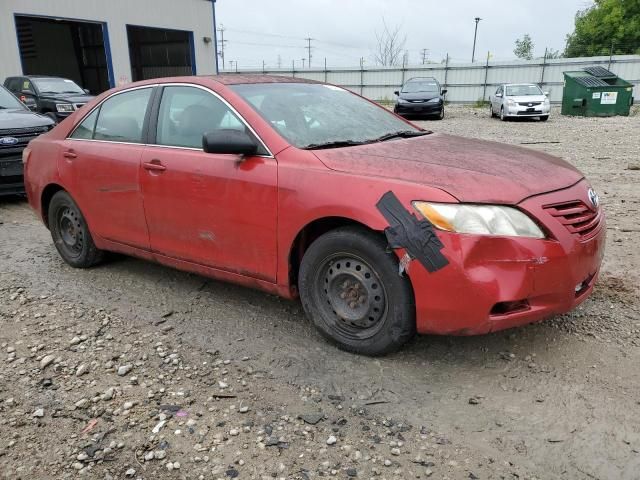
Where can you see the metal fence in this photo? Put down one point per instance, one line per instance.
(466, 82)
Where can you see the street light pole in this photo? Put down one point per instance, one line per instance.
(475, 34)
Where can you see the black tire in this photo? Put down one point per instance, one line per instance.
(544, 118)
(493, 115)
(502, 115)
(350, 288)
(441, 114)
(70, 232)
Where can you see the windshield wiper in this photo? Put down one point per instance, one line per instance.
(334, 144)
(401, 134)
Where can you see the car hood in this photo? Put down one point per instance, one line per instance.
(527, 98)
(471, 170)
(418, 95)
(21, 118)
(68, 97)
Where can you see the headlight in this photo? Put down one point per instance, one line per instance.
(434, 100)
(64, 107)
(511, 101)
(402, 100)
(479, 219)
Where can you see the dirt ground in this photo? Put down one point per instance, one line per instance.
(133, 370)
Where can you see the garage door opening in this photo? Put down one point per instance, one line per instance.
(64, 48)
(159, 52)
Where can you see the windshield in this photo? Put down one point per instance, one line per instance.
(7, 100)
(311, 115)
(522, 90)
(415, 86)
(57, 85)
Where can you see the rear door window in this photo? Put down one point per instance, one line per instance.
(121, 117)
(85, 130)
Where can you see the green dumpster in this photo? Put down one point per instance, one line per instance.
(596, 92)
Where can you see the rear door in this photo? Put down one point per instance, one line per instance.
(101, 163)
(217, 210)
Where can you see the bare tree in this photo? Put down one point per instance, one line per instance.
(390, 45)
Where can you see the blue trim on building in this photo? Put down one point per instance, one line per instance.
(192, 49)
(107, 53)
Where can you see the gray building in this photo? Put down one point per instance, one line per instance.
(105, 43)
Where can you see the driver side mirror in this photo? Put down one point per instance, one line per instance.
(237, 142)
(397, 92)
(86, 90)
(546, 94)
(444, 91)
(498, 95)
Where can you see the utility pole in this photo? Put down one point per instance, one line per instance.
(308, 47)
(303, 60)
(425, 54)
(279, 62)
(223, 42)
(475, 34)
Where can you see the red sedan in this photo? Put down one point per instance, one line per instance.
(301, 188)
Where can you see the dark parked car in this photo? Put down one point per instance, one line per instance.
(420, 96)
(52, 96)
(18, 126)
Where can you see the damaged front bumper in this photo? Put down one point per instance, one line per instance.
(493, 283)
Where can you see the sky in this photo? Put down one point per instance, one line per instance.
(345, 30)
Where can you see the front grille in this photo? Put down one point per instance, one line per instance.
(24, 136)
(529, 104)
(529, 113)
(14, 132)
(417, 101)
(577, 217)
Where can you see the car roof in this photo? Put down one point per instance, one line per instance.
(412, 79)
(238, 78)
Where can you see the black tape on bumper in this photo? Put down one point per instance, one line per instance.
(406, 231)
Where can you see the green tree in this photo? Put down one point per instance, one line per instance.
(524, 47)
(607, 26)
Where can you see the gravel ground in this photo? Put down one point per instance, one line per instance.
(133, 370)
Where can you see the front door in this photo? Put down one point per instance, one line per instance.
(101, 163)
(217, 210)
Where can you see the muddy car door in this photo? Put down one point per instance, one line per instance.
(101, 162)
(215, 209)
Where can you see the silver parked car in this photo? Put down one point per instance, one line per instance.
(519, 100)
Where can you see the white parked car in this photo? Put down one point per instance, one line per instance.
(519, 100)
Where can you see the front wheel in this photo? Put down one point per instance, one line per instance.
(70, 232)
(544, 118)
(441, 115)
(503, 117)
(350, 288)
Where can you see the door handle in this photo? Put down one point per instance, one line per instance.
(154, 166)
(69, 154)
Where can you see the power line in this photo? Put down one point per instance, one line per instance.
(308, 47)
(223, 42)
(425, 55)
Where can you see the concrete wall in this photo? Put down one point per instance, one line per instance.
(191, 15)
(468, 82)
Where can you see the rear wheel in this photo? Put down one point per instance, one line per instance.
(350, 288)
(70, 232)
(503, 117)
(491, 112)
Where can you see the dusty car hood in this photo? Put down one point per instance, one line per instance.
(470, 170)
(22, 118)
(527, 98)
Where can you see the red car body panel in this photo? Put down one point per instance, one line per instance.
(239, 221)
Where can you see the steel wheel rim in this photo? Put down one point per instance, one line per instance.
(71, 231)
(351, 296)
